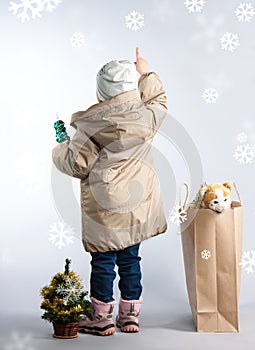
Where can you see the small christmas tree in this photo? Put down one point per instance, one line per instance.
(64, 299)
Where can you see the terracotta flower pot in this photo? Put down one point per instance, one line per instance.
(66, 331)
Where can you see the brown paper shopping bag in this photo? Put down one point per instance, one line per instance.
(212, 250)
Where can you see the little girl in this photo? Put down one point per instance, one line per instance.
(120, 194)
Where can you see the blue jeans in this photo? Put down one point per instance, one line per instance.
(103, 274)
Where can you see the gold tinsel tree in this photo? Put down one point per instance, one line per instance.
(64, 299)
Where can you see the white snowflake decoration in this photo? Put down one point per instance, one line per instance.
(229, 41)
(207, 31)
(69, 291)
(194, 5)
(206, 254)
(244, 12)
(77, 39)
(244, 154)
(19, 343)
(26, 9)
(210, 95)
(134, 20)
(178, 215)
(60, 235)
(248, 261)
(50, 5)
(242, 137)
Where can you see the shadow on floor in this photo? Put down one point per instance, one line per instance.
(177, 322)
(181, 323)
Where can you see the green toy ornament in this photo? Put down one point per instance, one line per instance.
(61, 134)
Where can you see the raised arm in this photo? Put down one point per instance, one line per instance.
(149, 84)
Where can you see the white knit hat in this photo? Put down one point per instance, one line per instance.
(116, 77)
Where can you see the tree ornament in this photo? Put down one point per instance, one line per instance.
(61, 134)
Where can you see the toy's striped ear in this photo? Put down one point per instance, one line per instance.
(202, 191)
(228, 184)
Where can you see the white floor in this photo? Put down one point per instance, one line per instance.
(159, 330)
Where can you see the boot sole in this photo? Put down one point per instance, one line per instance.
(125, 327)
(107, 330)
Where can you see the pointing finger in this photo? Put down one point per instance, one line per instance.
(137, 53)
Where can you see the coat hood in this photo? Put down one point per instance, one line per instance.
(101, 108)
(114, 123)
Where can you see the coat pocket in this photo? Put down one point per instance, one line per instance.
(123, 172)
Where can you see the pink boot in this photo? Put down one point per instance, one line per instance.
(101, 322)
(127, 319)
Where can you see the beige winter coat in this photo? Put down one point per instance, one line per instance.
(111, 154)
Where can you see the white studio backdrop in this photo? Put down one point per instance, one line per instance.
(48, 65)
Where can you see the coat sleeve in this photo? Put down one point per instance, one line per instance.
(151, 90)
(77, 156)
(154, 97)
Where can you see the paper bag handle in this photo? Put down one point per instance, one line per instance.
(186, 197)
(237, 192)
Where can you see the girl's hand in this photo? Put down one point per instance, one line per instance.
(57, 143)
(142, 66)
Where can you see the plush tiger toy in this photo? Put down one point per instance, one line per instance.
(217, 197)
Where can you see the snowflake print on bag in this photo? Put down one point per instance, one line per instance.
(206, 254)
(244, 12)
(210, 95)
(248, 261)
(178, 215)
(229, 41)
(244, 154)
(134, 20)
(194, 5)
(60, 235)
